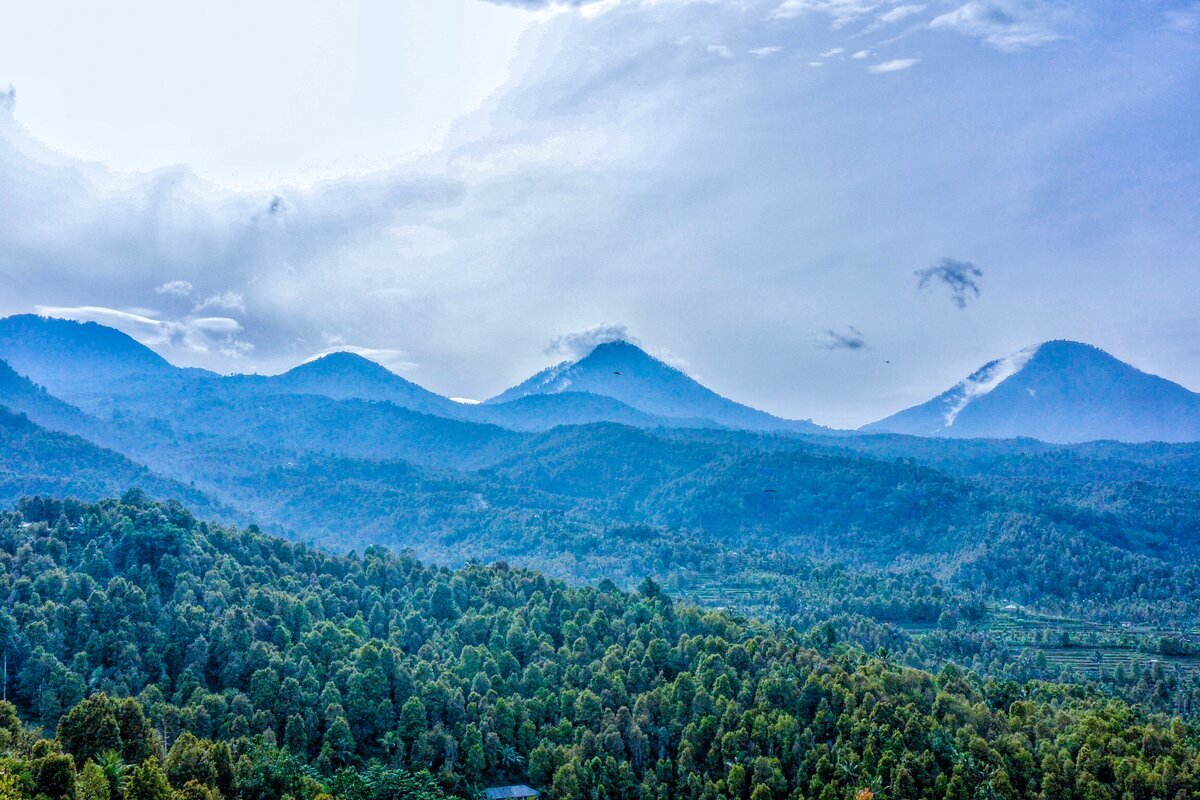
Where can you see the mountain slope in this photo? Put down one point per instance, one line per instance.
(625, 372)
(343, 376)
(97, 368)
(539, 412)
(34, 461)
(20, 394)
(50, 350)
(1061, 392)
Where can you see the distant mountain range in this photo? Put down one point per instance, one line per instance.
(89, 364)
(616, 464)
(1059, 392)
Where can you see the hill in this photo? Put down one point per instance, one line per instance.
(258, 669)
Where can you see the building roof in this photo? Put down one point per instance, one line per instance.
(502, 792)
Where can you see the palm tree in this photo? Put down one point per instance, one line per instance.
(115, 769)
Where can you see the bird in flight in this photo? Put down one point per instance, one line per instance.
(616, 372)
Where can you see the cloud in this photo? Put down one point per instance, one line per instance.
(763, 52)
(175, 289)
(960, 277)
(620, 177)
(899, 13)
(843, 12)
(579, 343)
(849, 339)
(200, 335)
(861, 54)
(537, 5)
(231, 301)
(292, 260)
(8, 100)
(1184, 20)
(720, 50)
(895, 65)
(836, 51)
(1007, 25)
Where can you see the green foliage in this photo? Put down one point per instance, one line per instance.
(233, 641)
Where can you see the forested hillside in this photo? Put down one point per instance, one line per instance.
(262, 669)
(1017, 558)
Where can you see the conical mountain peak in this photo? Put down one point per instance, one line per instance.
(624, 371)
(1058, 391)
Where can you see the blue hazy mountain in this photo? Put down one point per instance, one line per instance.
(35, 460)
(625, 372)
(19, 394)
(51, 351)
(539, 412)
(1059, 391)
(92, 366)
(344, 376)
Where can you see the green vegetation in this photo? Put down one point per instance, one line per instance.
(170, 658)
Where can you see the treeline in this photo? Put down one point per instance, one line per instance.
(164, 657)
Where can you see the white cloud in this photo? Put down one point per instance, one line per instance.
(1008, 25)
(195, 335)
(837, 51)
(579, 343)
(899, 13)
(895, 65)
(861, 54)
(843, 12)
(720, 50)
(1184, 20)
(231, 301)
(174, 289)
(763, 52)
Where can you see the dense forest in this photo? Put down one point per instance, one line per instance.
(160, 657)
(914, 552)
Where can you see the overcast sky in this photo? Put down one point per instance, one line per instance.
(824, 208)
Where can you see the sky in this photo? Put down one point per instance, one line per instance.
(828, 209)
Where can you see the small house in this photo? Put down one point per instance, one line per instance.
(507, 792)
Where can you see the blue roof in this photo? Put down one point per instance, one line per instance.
(502, 792)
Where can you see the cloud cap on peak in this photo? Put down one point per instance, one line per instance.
(578, 344)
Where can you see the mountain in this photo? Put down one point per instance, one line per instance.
(625, 372)
(1061, 392)
(51, 351)
(91, 366)
(343, 376)
(34, 460)
(539, 412)
(22, 395)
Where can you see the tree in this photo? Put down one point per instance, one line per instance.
(92, 783)
(90, 728)
(338, 744)
(54, 776)
(189, 760)
(147, 781)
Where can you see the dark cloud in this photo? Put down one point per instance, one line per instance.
(579, 343)
(849, 339)
(960, 277)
